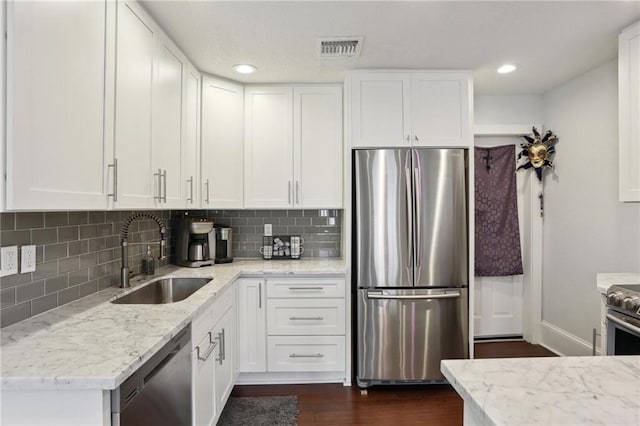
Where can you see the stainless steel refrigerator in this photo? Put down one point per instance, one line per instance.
(411, 263)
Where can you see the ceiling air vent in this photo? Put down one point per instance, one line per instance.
(340, 47)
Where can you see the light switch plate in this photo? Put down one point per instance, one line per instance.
(8, 261)
(268, 230)
(28, 259)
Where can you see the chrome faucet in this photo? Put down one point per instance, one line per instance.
(124, 243)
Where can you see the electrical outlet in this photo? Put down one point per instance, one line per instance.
(268, 230)
(8, 261)
(27, 259)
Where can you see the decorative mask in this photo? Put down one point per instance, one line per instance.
(537, 152)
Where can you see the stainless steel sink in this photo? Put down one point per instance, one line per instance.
(165, 290)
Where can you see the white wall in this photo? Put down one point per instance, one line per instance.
(500, 110)
(586, 229)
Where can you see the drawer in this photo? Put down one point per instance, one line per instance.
(222, 304)
(319, 353)
(305, 287)
(305, 316)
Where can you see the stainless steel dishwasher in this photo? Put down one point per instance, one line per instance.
(159, 392)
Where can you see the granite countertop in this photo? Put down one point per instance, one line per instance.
(600, 390)
(94, 344)
(606, 280)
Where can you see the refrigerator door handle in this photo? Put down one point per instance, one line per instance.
(418, 227)
(371, 295)
(407, 172)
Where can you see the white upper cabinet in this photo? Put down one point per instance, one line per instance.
(222, 130)
(268, 164)
(629, 113)
(56, 133)
(136, 185)
(168, 99)
(191, 157)
(395, 109)
(317, 148)
(150, 112)
(293, 147)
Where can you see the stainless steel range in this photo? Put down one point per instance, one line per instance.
(623, 319)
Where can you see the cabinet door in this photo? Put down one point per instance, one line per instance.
(221, 161)
(268, 165)
(203, 367)
(629, 113)
(224, 371)
(380, 109)
(191, 163)
(441, 109)
(133, 106)
(55, 104)
(252, 329)
(317, 136)
(167, 120)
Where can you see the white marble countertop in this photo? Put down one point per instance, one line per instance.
(606, 280)
(599, 390)
(94, 344)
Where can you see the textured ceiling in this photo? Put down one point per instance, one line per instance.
(550, 42)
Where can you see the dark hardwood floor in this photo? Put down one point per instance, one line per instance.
(334, 404)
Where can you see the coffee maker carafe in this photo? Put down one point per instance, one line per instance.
(195, 242)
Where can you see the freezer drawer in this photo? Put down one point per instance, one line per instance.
(404, 334)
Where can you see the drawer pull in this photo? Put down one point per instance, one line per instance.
(294, 355)
(306, 288)
(306, 318)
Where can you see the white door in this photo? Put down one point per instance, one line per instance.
(441, 109)
(167, 121)
(222, 153)
(56, 156)
(203, 360)
(380, 109)
(133, 106)
(252, 327)
(317, 136)
(224, 373)
(268, 165)
(498, 300)
(191, 163)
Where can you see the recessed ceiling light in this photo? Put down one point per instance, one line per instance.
(507, 68)
(244, 68)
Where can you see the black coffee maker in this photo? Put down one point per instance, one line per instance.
(224, 242)
(195, 242)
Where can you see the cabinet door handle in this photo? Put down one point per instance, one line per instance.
(297, 193)
(306, 318)
(114, 194)
(408, 138)
(289, 192)
(164, 186)
(294, 355)
(220, 355)
(190, 181)
(415, 138)
(207, 184)
(260, 296)
(306, 288)
(159, 197)
(224, 345)
(208, 354)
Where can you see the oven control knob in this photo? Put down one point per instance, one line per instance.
(615, 299)
(631, 303)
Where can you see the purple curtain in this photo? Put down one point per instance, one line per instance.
(497, 236)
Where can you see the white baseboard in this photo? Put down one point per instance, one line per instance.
(562, 342)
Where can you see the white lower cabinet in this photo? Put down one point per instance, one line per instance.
(213, 359)
(293, 330)
(252, 327)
